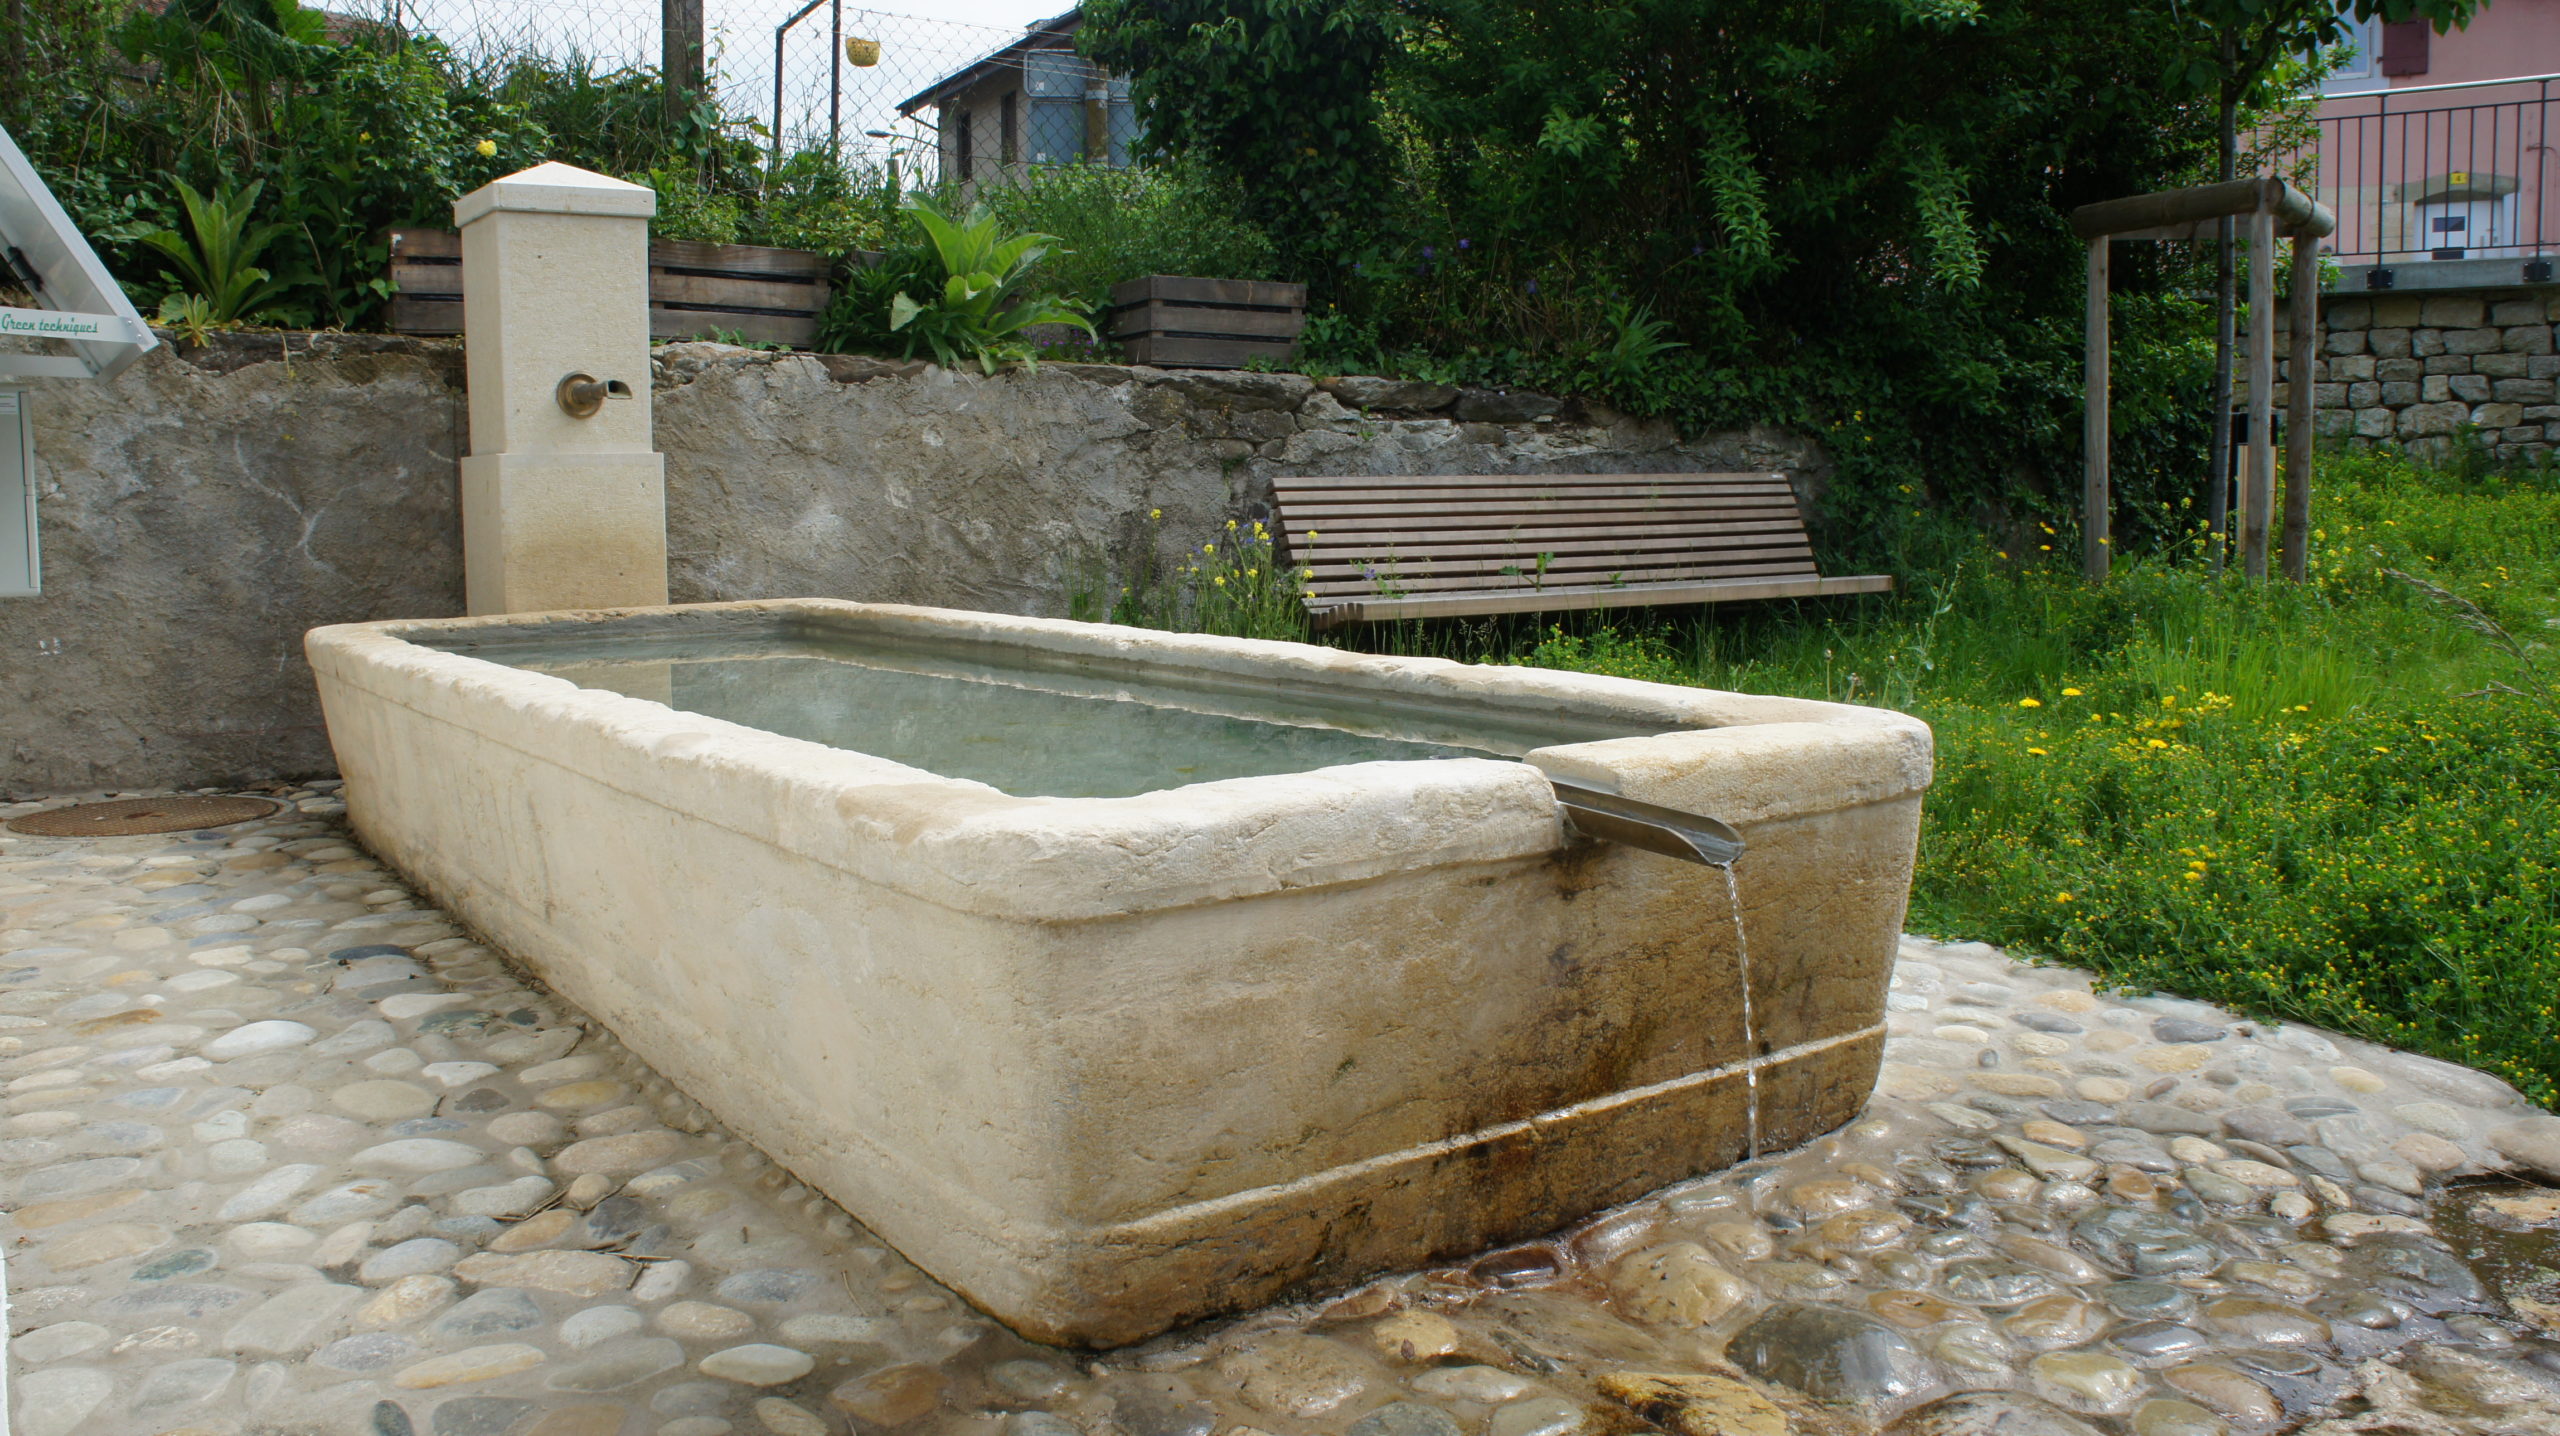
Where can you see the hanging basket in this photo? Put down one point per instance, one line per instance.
(864, 53)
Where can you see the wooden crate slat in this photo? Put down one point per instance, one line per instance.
(1172, 353)
(1172, 321)
(427, 279)
(745, 261)
(703, 291)
(414, 314)
(1187, 289)
(413, 242)
(798, 330)
(1578, 599)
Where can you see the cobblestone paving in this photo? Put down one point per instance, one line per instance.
(284, 1150)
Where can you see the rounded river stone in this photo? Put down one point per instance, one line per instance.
(1832, 1354)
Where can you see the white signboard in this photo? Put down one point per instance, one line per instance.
(84, 328)
(90, 328)
(19, 571)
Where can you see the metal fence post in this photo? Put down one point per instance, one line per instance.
(2381, 168)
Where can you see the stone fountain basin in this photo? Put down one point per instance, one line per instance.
(1107, 1065)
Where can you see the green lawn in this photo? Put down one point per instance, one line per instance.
(2337, 803)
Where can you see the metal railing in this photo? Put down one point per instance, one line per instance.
(2437, 172)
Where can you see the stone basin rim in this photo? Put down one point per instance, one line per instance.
(962, 844)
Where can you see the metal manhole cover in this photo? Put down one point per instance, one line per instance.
(132, 817)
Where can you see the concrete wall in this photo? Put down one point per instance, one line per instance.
(803, 475)
(205, 509)
(198, 513)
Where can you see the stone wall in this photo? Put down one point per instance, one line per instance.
(203, 510)
(804, 475)
(197, 514)
(2415, 370)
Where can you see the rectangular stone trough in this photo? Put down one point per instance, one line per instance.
(1121, 978)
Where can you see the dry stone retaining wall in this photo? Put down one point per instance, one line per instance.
(2416, 370)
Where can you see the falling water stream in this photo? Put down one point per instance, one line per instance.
(1750, 1028)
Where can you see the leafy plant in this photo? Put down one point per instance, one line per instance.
(217, 258)
(1117, 224)
(979, 296)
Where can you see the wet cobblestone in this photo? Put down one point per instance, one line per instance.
(284, 1150)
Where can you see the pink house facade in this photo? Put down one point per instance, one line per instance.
(2434, 150)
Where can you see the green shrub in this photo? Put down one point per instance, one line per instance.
(1117, 224)
(1848, 217)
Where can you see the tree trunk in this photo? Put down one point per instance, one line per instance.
(2218, 466)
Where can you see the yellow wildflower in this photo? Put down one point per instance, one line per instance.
(487, 148)
(2031, 703)
(2070, 692)
(2039, 752)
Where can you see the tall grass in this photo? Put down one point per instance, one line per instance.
(2336, 803)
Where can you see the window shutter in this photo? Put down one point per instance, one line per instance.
(2404, 47)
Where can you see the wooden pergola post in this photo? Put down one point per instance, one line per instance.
(2262, 394)
(2096, 503)
(2297, 420)
(2270, 205)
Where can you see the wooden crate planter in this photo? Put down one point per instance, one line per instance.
(1180, 323)
(771, 296)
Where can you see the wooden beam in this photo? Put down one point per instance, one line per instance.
(2295, 211)
(2297, 423)
(2262, 393)
(2095, 503)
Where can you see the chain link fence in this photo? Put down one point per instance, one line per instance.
(811, 73)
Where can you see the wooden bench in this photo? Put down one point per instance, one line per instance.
(1446, 547)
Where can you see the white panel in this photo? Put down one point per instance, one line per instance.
(19, 571)
(35, 235)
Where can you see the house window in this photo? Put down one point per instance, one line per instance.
(968, 147)
(2360, 72)
(1053, 80)
(1008, 135)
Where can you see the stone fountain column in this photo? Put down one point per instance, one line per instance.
(564, 501)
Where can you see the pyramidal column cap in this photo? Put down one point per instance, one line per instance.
(555, 188)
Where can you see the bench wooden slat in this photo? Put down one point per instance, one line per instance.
(1666, 493)
(1489, 482)
(1507, 498)
(1470, 544)
(1418, 546)
(1574, 600)
(1524, 584)
(1372, 531)
(1304, 517)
